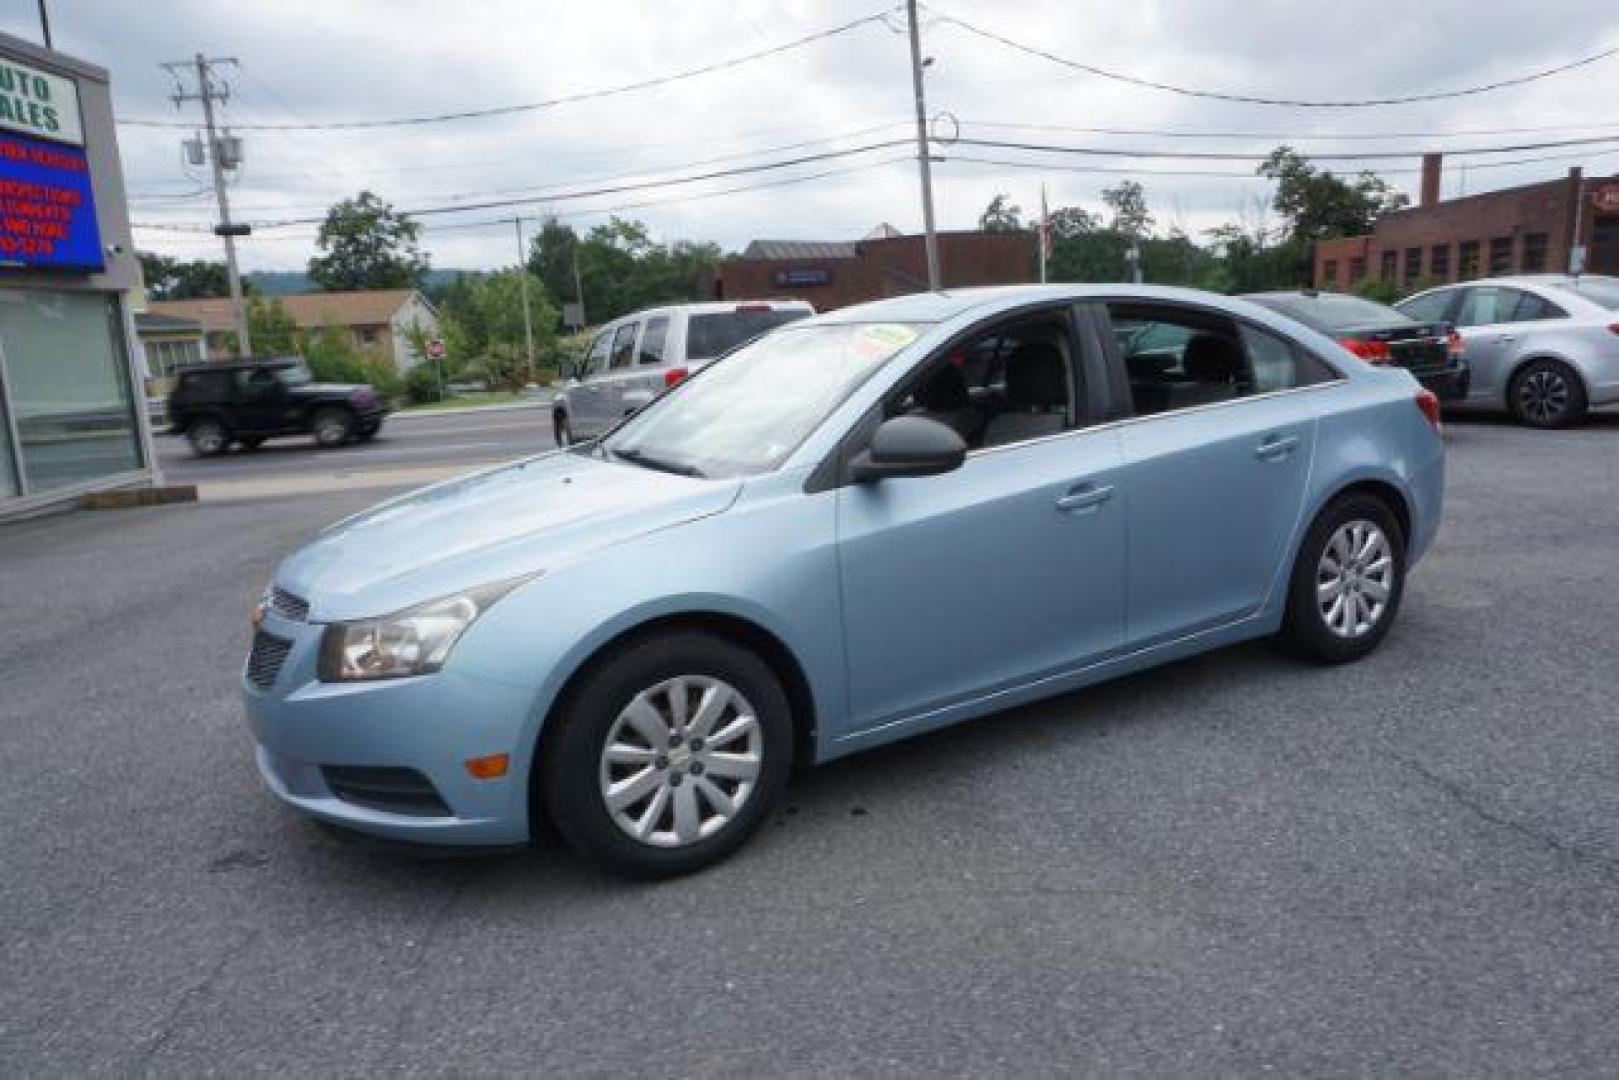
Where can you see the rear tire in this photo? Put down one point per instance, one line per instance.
(702, 741)
(1347, 581)
(562, 430)
(1547, 394)
(208, 436)
(333, 427)
(367, 432)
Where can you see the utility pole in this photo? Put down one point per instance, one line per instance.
(223, 153)
(923, 164)
(578, 289)
(522, 272)
(1576, 249)
(45, 23)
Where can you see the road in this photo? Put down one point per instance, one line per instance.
(1233, 865)
(410, 449)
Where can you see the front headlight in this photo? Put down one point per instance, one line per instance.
(410, 642)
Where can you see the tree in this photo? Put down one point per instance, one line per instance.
(624, 269)
(172, 279)
(1128, 201)
(551, 255)
(1001, 215)
(366, 244)
(1317, 205)
(273, 330)
(482, 321)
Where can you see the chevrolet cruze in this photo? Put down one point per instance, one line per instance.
(862, 526)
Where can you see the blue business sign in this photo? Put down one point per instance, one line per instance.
(47, 210)
(798, 277)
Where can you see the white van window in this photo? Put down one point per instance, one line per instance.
(707, 336)
(653, 341)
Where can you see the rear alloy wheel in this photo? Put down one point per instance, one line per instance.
(562, 430)
(333, 427)
(1347, 581)
(668, 755)
(1548, 394)
(207, 437)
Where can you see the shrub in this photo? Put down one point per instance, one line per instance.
(422, 384)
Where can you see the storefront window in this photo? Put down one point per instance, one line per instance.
(8, 456)
(69, 383)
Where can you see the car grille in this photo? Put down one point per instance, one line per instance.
(265, 660)
(288, 606)
(395, 790)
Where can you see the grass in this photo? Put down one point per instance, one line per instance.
(468, 401)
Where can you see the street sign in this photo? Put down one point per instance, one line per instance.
(435, 348)
(573, 315)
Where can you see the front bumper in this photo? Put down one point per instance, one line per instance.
(431, 724)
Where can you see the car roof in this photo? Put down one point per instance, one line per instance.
(947, 304)
(707, 307)
(235, 364)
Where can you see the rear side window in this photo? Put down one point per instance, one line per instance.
(624, 346)
(1491, 304)
(654, 341)
(1532, 308)
(1182, 358)
(206, 386)
(707, 336)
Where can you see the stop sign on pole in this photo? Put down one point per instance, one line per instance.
(435, 348)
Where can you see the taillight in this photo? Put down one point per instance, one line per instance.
(1428, 402)
(673, 376)
(1613, 328)
(1453, 344)
(1375, 352)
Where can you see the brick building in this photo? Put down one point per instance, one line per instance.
(886, 263)
(1521, 230)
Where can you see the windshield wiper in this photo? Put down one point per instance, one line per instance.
(645, 460)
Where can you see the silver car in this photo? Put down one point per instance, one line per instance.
(634, 358)
(1543, 346)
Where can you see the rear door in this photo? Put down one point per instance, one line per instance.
(1214, 464)
(1495, 323)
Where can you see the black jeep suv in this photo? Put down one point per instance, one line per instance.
(248, 401)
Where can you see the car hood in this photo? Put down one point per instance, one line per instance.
(507, 522)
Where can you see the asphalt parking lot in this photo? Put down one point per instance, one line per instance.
(1234, 865)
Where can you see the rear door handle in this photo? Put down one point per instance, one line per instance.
(1085, 498)
(1276, 447)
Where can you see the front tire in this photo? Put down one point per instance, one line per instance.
(1547, 394)
(667, 755)
(1347, 581)
(333, 427)
(208, 437)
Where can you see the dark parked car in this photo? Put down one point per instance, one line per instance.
(248, 401)
(1379, 334)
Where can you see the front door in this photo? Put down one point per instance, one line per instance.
(1009, 569)
(589, 408)
(261, 402)
(1214, 465)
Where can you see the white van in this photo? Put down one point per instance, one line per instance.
(636, 357)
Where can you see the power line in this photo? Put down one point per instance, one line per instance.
(1250, 99)
(1227, 155)
(532, 106)
(1286, 136)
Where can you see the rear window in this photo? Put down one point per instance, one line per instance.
(1331, 312)
(707, 336)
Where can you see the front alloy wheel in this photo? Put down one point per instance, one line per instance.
(207, 437)
(1347, 580)
(681, 761)
(667, 754)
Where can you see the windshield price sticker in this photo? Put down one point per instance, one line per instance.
(882, 340)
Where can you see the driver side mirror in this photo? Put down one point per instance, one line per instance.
(909, 446)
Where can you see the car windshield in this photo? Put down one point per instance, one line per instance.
(716, 333)
(1598, 290)
(744, 414)
(293, 375)
(1331, 312)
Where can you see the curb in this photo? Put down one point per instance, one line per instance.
(403, 414)
(129, 498)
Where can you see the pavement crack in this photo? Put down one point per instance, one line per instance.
(429, 934)
(171, 1023)
(1541, 838)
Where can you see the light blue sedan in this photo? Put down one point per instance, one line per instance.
(865, 525)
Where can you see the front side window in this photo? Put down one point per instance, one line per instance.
(1429, 307)
(1008, 385)
(654, 341)
(748, 412)
(624, 346)
(596, 358)
(294, 375)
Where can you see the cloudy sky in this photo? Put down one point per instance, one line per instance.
(308, 62)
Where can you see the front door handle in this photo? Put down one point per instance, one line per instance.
(1507, 338)
(1085, 498)
(1276, 447)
